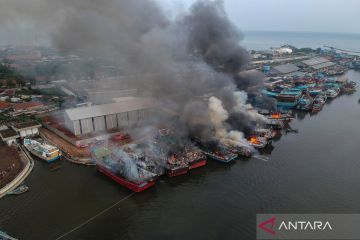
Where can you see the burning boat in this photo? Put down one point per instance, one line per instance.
(221, 154)
(281, 116)
(242, 151)
(194, 157)
(42, 150)
(275, 124)
(123, 169)
(176, 166)
(265, 133)
(258, 142)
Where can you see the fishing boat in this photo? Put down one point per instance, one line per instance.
(221, 155)
(258, 142)
(349, 87)
(332, 92)
(275, 124)
(194, 157)
(241, 151)
(123, 169)
(288, 98)
(21, 189)
(315, 92)
(281, 116)
(5, 236)
(265, 133)
(305, 103)
(42, 150)
(176, 166)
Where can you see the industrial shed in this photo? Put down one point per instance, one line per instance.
(314, 61)
(285, 69)
(85, 120)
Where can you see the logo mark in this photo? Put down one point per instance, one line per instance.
(270, 222)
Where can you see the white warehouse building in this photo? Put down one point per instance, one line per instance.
(84, 120)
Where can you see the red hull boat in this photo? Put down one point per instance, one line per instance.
(133, 186)
(177, 171)
(197, 164)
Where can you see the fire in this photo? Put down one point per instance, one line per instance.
(276, 115)
(254, 140)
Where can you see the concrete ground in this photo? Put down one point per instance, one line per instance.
(10, 164)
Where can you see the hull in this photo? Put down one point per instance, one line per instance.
(133, 186)
(197, 164)
(177, 172)
(48, 160)
(286, 105)
(221, 160)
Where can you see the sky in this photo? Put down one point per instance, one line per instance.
(339, 16)
(288, 15)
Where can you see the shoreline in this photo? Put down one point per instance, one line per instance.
(20, 178)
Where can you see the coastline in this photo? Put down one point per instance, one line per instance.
(25, 172)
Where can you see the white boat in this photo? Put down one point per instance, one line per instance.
(43, 151)
(332, 93)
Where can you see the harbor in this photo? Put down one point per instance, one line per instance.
(252, 186)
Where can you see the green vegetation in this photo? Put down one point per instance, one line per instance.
(10, 75)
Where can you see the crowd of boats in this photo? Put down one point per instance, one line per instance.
(137, 166)
(309, 94)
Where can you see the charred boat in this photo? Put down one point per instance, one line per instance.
(258, 142)
(221, 155)
(120, 167)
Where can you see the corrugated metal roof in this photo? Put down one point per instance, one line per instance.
(286, 68)
(323, 65)
(315, 61)
(110, 108)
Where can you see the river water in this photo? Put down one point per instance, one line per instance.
(313, 171)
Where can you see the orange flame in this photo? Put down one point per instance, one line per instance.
(254, 140)
(276, 115)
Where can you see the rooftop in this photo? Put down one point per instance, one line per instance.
(4, 105)
(27, 105)
(8, 133)
(286, 68)
(23, 125)
(110, 108)
(323, 65)
(315, 61)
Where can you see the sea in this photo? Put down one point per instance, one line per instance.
(264, 40)
(313, 170)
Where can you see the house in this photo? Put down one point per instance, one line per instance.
(27, 129)
(9, 136)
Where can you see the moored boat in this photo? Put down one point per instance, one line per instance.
(258, 142)
(222, 155)
(42, 150)
(124, 168)
(332, 92)
(288, 98)
(176, 166)
(133, 186)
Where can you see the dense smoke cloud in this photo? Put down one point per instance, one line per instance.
(189, 64)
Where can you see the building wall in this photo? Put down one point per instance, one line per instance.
(111, 121)
(122, 119)
(86, 125)
(99, 123)
(76, 127)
